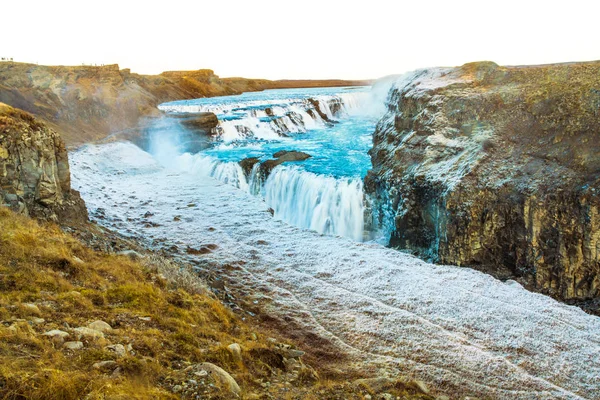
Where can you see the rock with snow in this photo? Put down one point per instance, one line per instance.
(495, 168)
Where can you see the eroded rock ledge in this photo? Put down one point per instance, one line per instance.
(496, 168)
(34, 170)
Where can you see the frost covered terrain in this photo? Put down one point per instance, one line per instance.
(454, 327)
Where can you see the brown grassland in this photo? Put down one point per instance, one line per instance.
(163, 315)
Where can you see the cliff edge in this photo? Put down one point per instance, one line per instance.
(497, 168)
(34, 170)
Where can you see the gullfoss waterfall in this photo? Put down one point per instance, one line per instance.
(322, 193)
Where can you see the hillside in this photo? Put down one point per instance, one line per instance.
(86, 103)
(78, 323)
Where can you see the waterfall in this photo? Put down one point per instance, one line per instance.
(328, 205)
(325, 204)
(227, 172)
(322, 203)
(272, 119)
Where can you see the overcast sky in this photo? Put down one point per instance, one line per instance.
(298, 39)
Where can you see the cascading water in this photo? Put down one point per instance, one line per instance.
(323, 193)
(322, 203)
(272, 114)
(226, 172)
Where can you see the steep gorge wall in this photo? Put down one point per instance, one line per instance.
(496, 168)
(86, 103)
(34, 170)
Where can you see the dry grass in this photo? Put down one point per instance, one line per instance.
(161, 311)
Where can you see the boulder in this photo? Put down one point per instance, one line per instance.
(220, 376)
(117, 349)
(280, 157)
(100, 326)
(247, 164)
(105, 365)
(317, 109)
(83, 331)
(34, 170)
(56, 335)
(236, 351)
(496, 168)
(201, 123)
(73, 345)
(267, 166)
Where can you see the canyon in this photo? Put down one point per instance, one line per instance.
(483, 167)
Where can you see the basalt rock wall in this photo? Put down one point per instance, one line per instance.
(34, 170)
(497, 168)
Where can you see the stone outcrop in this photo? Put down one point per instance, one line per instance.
(87, 103)
(201, 123)
(267, 166)
(497, 168)
(192, 131)
(34, 170)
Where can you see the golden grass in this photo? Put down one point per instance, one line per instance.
(162, 311)
(72, 285)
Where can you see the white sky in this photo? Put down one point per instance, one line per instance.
(298, 39)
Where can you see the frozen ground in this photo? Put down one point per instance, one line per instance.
(455, 327)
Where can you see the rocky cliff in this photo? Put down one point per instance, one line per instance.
(34, 170)
(86, 103)
(497, 168)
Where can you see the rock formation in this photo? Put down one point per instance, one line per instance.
(192, 131)
(86, 103)
(267, 166)
(497, 168)
(34, 170)
(201, 123)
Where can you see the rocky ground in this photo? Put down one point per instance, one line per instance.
(496, 168)
(121, 324)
